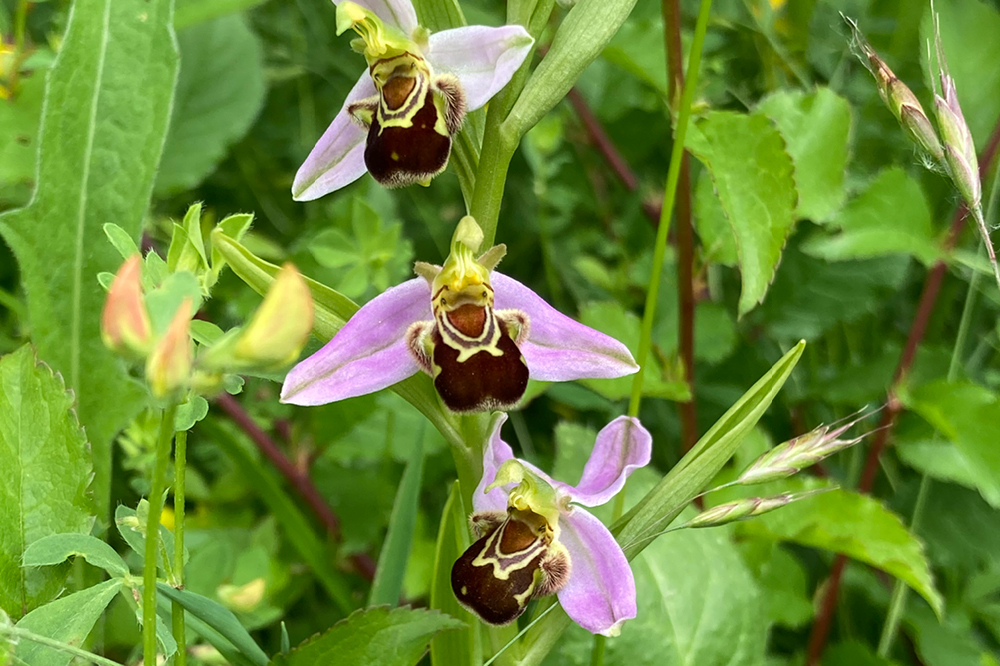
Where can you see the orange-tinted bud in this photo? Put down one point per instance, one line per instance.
(125, 325)
(168, 368)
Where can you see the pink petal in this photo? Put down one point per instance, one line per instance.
(399, 13)
(622, 446)
(484, 59)
(600, 592)
(338, 158)
(558, 348)
(497, 452)
(368, 354)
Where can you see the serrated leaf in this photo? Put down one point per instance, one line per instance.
(816, 127)
(968, 415)
(67, 620)
(858, 526)
(374, 637)
(57, 548)
(46, 466)
(220, 91)
(753, 176)
(219, 618)
(890, 216)
(463, 646)
(106, 110)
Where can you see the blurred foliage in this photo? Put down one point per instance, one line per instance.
(815, 220)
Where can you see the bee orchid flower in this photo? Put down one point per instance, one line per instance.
(399, 119)
(478, 333)
(535, 539)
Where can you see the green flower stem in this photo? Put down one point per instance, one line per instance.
(158, 485)
(176, 611)
(900, 591)
(669, 198)
(17, 633)
(499, 144)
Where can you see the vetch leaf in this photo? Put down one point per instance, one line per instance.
(816, 127)
(890, 216)
(219, 618)
(856, 525)
(374, 637)
(131, 525)
(753, 176)
(220, 91)
(68, 620)
(107, 104)
(388, 583)
(464, 645)
(57, 548)
(46, 468)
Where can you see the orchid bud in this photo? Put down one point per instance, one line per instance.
(281, 326)
(125, 325)
(169, 365)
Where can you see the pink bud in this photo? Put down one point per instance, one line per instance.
(168, 368)
(125, 325)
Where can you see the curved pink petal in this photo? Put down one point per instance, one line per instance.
(338, 158)
(399, 13)
(484, 59)
(622, 447)
(496, 453)
(558, 348)
(368, 354)
(600, 592)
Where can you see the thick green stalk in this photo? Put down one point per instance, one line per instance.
(158, 485)
(176, 611)
(900, 591)
(669, 198)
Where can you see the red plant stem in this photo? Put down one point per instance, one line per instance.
(928, 297)
(296, 477)
(685, 231)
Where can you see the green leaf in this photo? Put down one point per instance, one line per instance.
(580, 38)
(374, 637)
(106, 109)
(45, 464)
(392, 559)
(19, 118)
(890, 216)
(783, 580)
(700, 465)
(190, 12)
(58, 548)
(968, 33)
(131, 525)
(853, 653)
(816, 127)
(438, 15)
(67, 620)
(220, 91)
(968, 415)
(121, 240)
(753, 176)
(611, 317)
(189, 412)
(463, 646)
(698, 605)
(219, 618)
(297, 527)
(710, 220)
(856, 525)
(945, 643)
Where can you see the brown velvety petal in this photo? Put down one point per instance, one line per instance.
(399, 156)
(483, 381)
